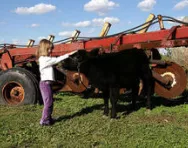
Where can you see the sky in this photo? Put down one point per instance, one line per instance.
(22, 20)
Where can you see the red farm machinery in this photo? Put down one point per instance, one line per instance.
(19, 75)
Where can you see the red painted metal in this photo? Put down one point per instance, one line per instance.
(6, 61)
(174, 37)
(181, 33)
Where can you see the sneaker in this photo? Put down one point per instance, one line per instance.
(51, 122)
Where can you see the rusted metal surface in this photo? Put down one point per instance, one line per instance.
(162, 80)
(78, 83)
(13, 92)
(75, 81)
(6, 61)
(175, 75)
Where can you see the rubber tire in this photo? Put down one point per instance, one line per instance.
(36, 82)
(24, 78)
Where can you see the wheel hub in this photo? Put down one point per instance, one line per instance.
(170, 77)
(13, 93)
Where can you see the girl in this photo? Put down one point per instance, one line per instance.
(46, 63)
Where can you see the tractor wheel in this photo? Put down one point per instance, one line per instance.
(36, 83)
(18, 87)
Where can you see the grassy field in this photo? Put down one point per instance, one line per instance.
(81, 125)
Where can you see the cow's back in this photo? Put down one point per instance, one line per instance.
(121, 69)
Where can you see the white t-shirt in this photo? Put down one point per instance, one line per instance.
(45, 66)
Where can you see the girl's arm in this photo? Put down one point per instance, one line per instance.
(50, 61)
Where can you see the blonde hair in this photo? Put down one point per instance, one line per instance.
(44, 47)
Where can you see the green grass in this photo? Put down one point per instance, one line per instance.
(80, 124)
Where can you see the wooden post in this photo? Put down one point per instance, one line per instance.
(105, 29)
(160, 22)
(30, 43)
(51, 38)
(146, 26)
(74, 36)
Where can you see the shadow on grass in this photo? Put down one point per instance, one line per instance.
(126, 109)
(155, 100)
(84, 111)
(65, 94)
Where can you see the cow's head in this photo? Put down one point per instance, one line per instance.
(83, 55)
(80, 57)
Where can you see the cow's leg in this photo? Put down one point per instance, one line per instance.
(114, 94)
(135, 90)
(148, 85)
(149, 92)
(106, 104)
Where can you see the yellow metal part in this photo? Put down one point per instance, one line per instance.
(74, 36)
(160, 22)
(30, 43)
(51, 38)
(105, 29)
(146, 26)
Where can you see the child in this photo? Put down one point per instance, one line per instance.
(46, 63)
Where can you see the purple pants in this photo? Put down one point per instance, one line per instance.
(47, 97)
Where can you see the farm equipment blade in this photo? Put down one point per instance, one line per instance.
(176, 76)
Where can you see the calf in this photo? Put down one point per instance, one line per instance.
(112, 71)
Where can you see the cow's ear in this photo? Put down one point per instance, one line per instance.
(81, 52)
(94, 52)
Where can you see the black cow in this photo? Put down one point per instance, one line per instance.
(112, 71)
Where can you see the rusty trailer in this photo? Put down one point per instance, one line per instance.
(20, 75)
